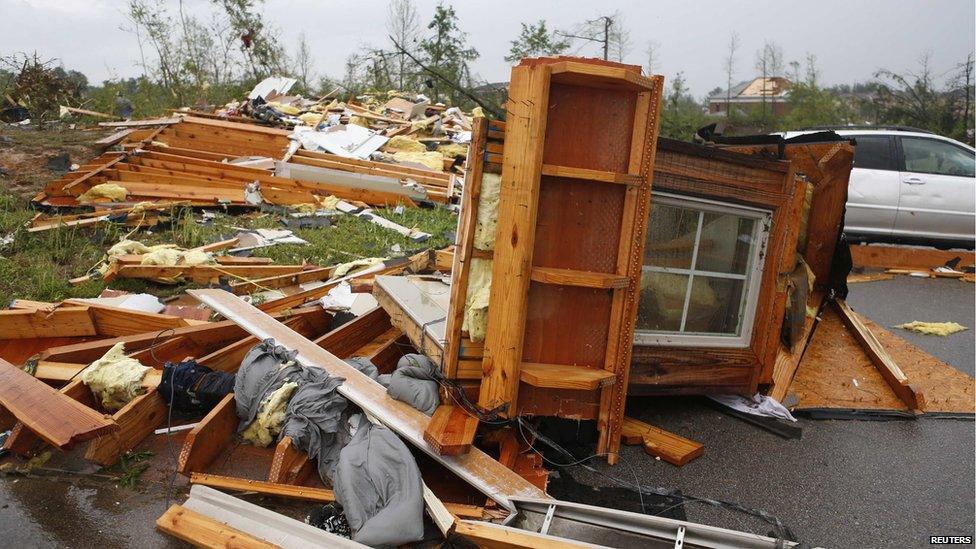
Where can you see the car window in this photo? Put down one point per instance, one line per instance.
(873, 152)
(938, 157)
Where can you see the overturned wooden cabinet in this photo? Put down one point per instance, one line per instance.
(566, 254)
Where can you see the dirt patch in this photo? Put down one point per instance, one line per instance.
(24, 153)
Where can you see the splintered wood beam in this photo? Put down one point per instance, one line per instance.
(887, 367)
(62, 321)
(496, 536)
(53, 416)
(904, 257)
(451, 430)
(203, 531)
(670, 447)
(205, 441)
(475, 467)
(565, 376)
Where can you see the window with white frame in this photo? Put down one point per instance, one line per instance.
(702, 271)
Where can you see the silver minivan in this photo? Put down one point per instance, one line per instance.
(910, 185)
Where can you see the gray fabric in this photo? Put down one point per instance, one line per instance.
(364, 365)
(413, 382)
(378, 484)
(316, 419)
(261, 373)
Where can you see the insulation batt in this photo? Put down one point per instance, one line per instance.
(270, 419)
(111, 191)
(403, 143)
(484, 231)
(933, 328)
(115, 379)
(475, 320)
(432, 160)
(353, 266)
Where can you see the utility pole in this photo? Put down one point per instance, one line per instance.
(607, 23)
(606, 37)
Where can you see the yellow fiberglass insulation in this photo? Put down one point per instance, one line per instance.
(172, 256)
(359, 121)
(801, 241)
(476, 303)
(453, 150)
(359, 264)
(404, 143)
(330, 202)
(115, 379)
(432, 160)
(267, 424)
(111, 191)
(484, 231)
(933, 328)
(284, 109)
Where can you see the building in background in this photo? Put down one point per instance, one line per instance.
(751, 95)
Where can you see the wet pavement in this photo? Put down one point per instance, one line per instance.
(844, 484)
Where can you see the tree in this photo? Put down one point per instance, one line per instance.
(304, 70)
(606, 30)
(535, 40)
(912, 98)
(769, 62)
(811, 105)
(730, 69)
(681, 115)
(403, 25)
(260, 44)
(650, 52)
(445, 51)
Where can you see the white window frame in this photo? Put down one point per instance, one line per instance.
(753, 276)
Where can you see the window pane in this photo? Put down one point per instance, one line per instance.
(670, 236)
(873, 153)
(715, 305)
(725, 243)
(662, 300)
(931, 156)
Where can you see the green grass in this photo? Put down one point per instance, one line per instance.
(37, 266)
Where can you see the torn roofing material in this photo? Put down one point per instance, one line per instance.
(477, 468)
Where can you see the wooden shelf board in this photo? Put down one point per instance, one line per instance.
(591, 175)
(582, 279)
(599, 76)
(564, 376)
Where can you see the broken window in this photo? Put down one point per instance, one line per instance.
(702, 269)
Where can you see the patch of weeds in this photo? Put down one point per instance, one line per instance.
(131, 466)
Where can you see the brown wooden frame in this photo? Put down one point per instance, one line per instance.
(692, 170)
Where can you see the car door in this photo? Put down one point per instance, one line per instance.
(872, 197)
(937, 186)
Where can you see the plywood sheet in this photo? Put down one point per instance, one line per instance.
(836, 373)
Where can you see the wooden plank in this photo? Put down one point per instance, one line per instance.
(903, 257)
(62, 321)
(517, 209)
(136, 420)
(289, 491)
(475, 467)
(205, 441)
(451, 430)
(592, 175)
(290, 465)
(74, 187)
(204, 273)
(582, 279)
(495, 536)
(889, 370)
(565, 376)
(202, 531)
(670, 447)
(55, 418)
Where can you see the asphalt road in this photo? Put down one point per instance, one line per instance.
(844, 484)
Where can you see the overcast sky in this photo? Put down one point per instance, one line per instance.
(851, 38)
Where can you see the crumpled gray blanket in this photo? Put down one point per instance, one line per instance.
(378, 484)
(414, 382)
